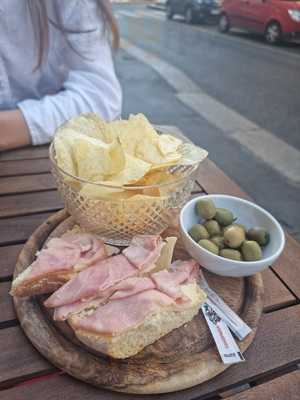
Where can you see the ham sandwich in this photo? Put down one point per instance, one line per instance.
(58, 262)
(117, 304)
(140, 311)
(135, 298)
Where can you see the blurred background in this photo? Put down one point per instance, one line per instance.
(227, 74)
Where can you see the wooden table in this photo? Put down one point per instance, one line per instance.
(28, 197)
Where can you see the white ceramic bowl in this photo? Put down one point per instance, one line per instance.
(247, 213)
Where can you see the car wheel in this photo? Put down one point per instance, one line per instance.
(169, 11)
(189, 15)
(273, 33)
(224, 23)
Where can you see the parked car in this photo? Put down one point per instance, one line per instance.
(275, 19)
(193, 10)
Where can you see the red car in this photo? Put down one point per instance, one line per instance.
(275, 19)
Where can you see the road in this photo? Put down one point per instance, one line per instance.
(232, 94)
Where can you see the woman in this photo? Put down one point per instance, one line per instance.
(55, 62)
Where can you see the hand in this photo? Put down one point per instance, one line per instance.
(13, 130)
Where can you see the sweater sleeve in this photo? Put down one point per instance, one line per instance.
(91, 84)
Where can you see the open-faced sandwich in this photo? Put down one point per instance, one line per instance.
(116, 303)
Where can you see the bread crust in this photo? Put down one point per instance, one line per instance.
(47, 283)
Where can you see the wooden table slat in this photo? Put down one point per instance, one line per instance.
(27, 153)
(288, 265)
(276, 294)
(6, 303)
(285, 387)
(26, 183)
(24, 167)
(29, 203)
(66, 388)
(16, 230)
(8, 259)
(213, 180)
(276, 345)
(18, 356)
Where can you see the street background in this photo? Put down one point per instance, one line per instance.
(232, 94)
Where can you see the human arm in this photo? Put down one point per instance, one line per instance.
(89, 83)
(13, 130)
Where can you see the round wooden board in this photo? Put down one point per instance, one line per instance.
(185, 357)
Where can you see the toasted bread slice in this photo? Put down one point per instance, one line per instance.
(23, 287)
(154, 326)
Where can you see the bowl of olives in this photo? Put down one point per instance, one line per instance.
(230, 236)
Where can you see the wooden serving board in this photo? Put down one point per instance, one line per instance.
(185, 357)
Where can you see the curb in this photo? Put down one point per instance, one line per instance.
(156, 7)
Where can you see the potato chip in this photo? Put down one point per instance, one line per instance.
(115, 129)
(157, 177)
(134, 136)
(163, 166)
(64, 156)
(133, 170)
(153, 192)
(87, 124)
(96, 159)
(139, 139)
(191, 154)
(168, 144)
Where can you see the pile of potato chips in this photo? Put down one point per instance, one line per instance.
(119, 153)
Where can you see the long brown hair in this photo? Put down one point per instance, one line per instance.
(41, 21)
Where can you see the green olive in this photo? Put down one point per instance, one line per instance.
(205, 209)
(259, 235)
(251, 251)
(213, 228)
(198, 232)
(241, 226)
(224, 216)
(234, 236)
(209, 245)
(232, 254)
(218, 241)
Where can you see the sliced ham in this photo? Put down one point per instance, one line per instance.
(92, 249)
(189, 267)
(121, 314)
(169, 281)
(67, 253)
(165, 281)
(143, 251)
(131, 286)
(90, 282)
(62, 313)
(52, 260)
(125, 288)
(56, 243)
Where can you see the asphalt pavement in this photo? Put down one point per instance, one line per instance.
(232, 94)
